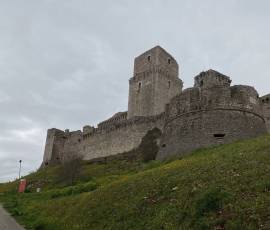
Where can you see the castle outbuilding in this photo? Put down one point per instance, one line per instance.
(212, 112)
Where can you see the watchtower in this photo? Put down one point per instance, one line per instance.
(154, 83)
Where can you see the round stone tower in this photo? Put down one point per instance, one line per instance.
(154, 83)
(210, 113)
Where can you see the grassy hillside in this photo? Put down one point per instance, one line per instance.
(226, 187)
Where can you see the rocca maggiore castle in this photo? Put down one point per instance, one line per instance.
(211, 112)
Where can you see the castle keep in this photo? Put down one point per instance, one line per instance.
(212, 112)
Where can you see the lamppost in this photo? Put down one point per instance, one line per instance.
(20, 161)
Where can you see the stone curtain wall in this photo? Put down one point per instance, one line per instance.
(118, 139)
(265, 100)
(205, 128)
(115, 119)
(72, 145)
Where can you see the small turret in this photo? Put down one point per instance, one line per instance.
(87, 129)
(54, 146)
(211, 78)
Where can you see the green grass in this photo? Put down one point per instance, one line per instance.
(225, 187)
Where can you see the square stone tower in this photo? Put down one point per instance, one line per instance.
(154, 83)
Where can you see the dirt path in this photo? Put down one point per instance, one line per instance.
(7, 222)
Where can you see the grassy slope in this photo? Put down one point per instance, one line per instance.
(222, 187)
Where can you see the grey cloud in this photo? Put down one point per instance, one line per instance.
(65, 64)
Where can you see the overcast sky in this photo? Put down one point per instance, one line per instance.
(66, 63)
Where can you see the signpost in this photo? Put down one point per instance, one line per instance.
(20, 161)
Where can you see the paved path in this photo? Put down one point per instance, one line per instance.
(7, 222)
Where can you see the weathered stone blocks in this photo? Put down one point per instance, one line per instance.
(211, 113)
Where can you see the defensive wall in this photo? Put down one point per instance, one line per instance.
(212, 112)
(109, 138)
(265, 100)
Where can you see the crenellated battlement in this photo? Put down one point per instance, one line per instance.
(218, 96)
(128, 123)
(114, 120)
(211, 78)
(152, 69)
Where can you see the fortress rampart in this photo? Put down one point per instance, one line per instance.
(119, 138)
(265, 100)
(61, 146)
(212, 112)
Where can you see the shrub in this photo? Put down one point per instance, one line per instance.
(88, 187)
(16, 212)
(12, 203)
(72, 190)
(149, 147)
(264, 186)
(38, 225)
(211, 200)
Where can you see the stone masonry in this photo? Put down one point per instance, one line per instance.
(211, 113)
(265, 101)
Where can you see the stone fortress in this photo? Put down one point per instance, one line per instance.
(211, 112)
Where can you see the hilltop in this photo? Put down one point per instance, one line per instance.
(225, 187)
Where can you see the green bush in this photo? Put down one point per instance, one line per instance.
(16, 212)
(234, 224)
(62, 192)
(149, 147)
(38, 225)
(87, 187)
(211, 201)
(12, 203)
(72, 190)
(264, 186)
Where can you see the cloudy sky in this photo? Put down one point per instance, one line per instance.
(66, 63)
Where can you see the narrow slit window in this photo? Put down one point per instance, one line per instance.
(219, 135)
(169, 84)
(169, 61)
(139, 87)
(149, 58)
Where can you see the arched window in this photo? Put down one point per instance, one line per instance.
(149, 58)
(169, 61)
